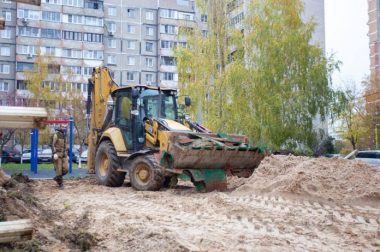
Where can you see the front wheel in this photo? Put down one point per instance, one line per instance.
(145, 174)
(106, 165)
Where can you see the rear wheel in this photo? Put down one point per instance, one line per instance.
(106, 165)
(145, 174)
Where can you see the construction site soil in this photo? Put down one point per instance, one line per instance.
(289, 203)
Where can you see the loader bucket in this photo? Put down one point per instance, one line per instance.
(207, 152)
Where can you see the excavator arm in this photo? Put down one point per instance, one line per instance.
(100, 87)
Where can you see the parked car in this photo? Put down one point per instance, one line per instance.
(6, 157)
(25, 157)
(45, 155)
(13, 154)
(371, 157)
(83, 157)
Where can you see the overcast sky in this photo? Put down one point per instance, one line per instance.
(346, 36)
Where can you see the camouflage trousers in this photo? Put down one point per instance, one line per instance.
(61, 168)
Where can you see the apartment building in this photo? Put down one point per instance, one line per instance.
(373, 97)
(133, 38)
(140, 36)
(7, 52)
(69, 32)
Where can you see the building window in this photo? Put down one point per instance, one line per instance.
(167, 76)
(186, 16)
(92, 54)
(4, 86)
(5, 69)
(75, 19)
(50, 33)
(84, 87)
(26, 49)
(131, 29)
(131, 13)
(149, 46)
(70, 35)
(7, 15)
(75, 3)
(7, 1)
(165, 13)
(54, 69)
(168, 61)
(204, 33)
(28, 31)
(87, 70)
(49, 50)
(57, 2)
(51, 16)
(130, 76)
(131, 44)
(168, 29)
(149, 15)
(165, 44)
(5, 51)
(111, 27)
(6, 34)
(21, 85)
(75, 70)
(111, 43)
(112, 11)
(131, 61)
(204, 18)
(28, 14)
(182, 44)
(149, 31)
(95, 21)
(111, 60)
(149, 62)
(22, 66)
(96, 5)
(149, 78)
(93, 37)
(72, 53)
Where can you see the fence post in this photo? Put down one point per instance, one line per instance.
(71, 146)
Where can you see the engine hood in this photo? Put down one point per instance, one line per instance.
(174, 126)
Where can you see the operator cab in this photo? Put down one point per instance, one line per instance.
(135, 104)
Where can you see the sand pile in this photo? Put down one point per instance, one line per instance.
(324, 178)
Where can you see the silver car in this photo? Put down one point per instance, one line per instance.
(371, 157)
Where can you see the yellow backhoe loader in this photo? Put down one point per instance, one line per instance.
(136, 130)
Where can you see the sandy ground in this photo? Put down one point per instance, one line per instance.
(251, 216)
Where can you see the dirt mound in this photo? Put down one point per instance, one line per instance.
(324, 178)
(4, 178)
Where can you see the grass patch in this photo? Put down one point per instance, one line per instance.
(26, 166)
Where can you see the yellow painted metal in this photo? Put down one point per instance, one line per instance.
(173, 125)
(102, 86)
(115, 135)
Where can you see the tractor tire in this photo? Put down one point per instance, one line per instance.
(145, 174)
(106, 165)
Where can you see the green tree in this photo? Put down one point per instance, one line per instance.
(354, 123)
(266, 80)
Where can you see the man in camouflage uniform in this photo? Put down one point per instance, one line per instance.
(59, 149)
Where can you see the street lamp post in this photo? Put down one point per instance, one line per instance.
(377, 136)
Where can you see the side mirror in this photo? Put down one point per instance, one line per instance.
(187, 101)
